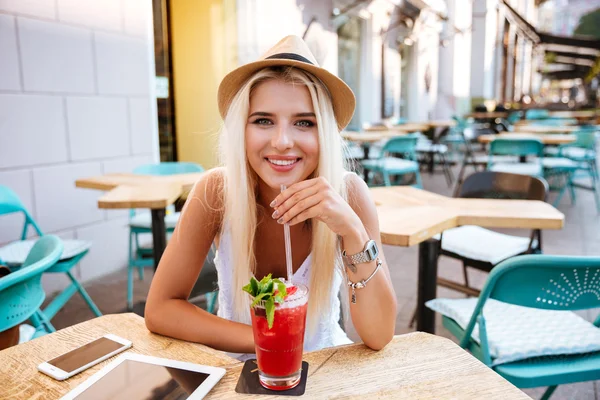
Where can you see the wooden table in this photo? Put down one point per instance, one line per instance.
(142, 191)
(410, 216)
(412, 366)
(370, 137)
(488, 115)
(549, 139)
(546, 129)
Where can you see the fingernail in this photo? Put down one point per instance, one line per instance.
(275, 214)
(273, 203)
(280, 220)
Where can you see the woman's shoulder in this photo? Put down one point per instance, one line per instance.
(359, 195)
(208, 190)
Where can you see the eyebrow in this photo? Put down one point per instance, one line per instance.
(266, 114)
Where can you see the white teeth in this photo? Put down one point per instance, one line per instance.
(281, 162)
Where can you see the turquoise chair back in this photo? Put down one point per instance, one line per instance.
(545, 282)
(586, 137)
(10, 203)
(168, 168)
(401, 145)
(514, 117)
(21, 292)
(517, 147)
(537, 113)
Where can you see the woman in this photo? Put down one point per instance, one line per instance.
(282, 117)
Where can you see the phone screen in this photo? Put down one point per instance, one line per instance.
(85, 354)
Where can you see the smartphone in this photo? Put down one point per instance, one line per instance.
(84, 357)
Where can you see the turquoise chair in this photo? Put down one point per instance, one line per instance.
(21, 292)
(141, 223)
(522, 148)
(10, 203)
(387, 165)
(583, 155)
(523, 281)
(552, 122)
(537, 113)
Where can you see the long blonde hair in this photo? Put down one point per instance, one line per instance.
(241, 216)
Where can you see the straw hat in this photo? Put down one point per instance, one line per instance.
(292, 51)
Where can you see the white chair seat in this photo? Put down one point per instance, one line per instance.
(517, 333)
(577, 153)
(15, 253)
(481, 244)
(391, 164)
(485, 159)
(428, 147)
(144, 220)
(559, 162)
(527, 168)
(551, 151)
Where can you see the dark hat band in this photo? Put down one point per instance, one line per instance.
(289, 56)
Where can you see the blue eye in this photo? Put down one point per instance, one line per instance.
(262, 121)
(305, 124)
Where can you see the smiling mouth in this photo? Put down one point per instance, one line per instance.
(283, 163)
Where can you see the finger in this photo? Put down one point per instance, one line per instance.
(312, 212)
(301, 206)
(295, 199)
(287, 193)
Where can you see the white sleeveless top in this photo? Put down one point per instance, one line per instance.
(328, 332)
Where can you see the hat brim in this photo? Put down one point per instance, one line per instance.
(342, 97)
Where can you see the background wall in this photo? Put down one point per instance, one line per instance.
(76, 96)
(203, 47)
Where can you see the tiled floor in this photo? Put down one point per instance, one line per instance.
(580, 236)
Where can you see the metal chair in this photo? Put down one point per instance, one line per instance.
(388, 166)
(21, 292)
(521, 148)
(535, 281)
(482, 248)
(75, 250)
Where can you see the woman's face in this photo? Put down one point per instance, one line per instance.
(282, 143)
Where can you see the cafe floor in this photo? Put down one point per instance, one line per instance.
(580, 236)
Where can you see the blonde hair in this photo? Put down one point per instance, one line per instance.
(241, 216)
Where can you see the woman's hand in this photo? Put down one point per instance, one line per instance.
(315, 198)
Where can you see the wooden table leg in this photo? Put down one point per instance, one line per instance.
(159, 234)
(427, 284)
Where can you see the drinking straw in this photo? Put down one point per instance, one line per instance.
(288, 247)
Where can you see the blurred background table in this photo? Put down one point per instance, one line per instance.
(410, 216)
(142, 191)
(549, 139)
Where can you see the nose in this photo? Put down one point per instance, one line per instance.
(282, 138)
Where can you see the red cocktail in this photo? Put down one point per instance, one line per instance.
(279, 349)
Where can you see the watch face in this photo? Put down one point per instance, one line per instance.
(372, 250)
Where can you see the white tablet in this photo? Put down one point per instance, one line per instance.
(135, 376)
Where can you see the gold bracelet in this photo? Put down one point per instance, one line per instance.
(362, 284)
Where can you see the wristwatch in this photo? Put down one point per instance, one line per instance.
(369, 253)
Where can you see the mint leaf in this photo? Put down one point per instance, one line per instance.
(270, 308)
(259, 298)
(268, 288)
(254, 284)
(281, 287)
(266, 279)
(248, 289)
(279, 298)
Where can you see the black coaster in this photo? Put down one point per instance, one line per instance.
(249, 384)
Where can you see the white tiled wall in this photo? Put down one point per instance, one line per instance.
(75, 87)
